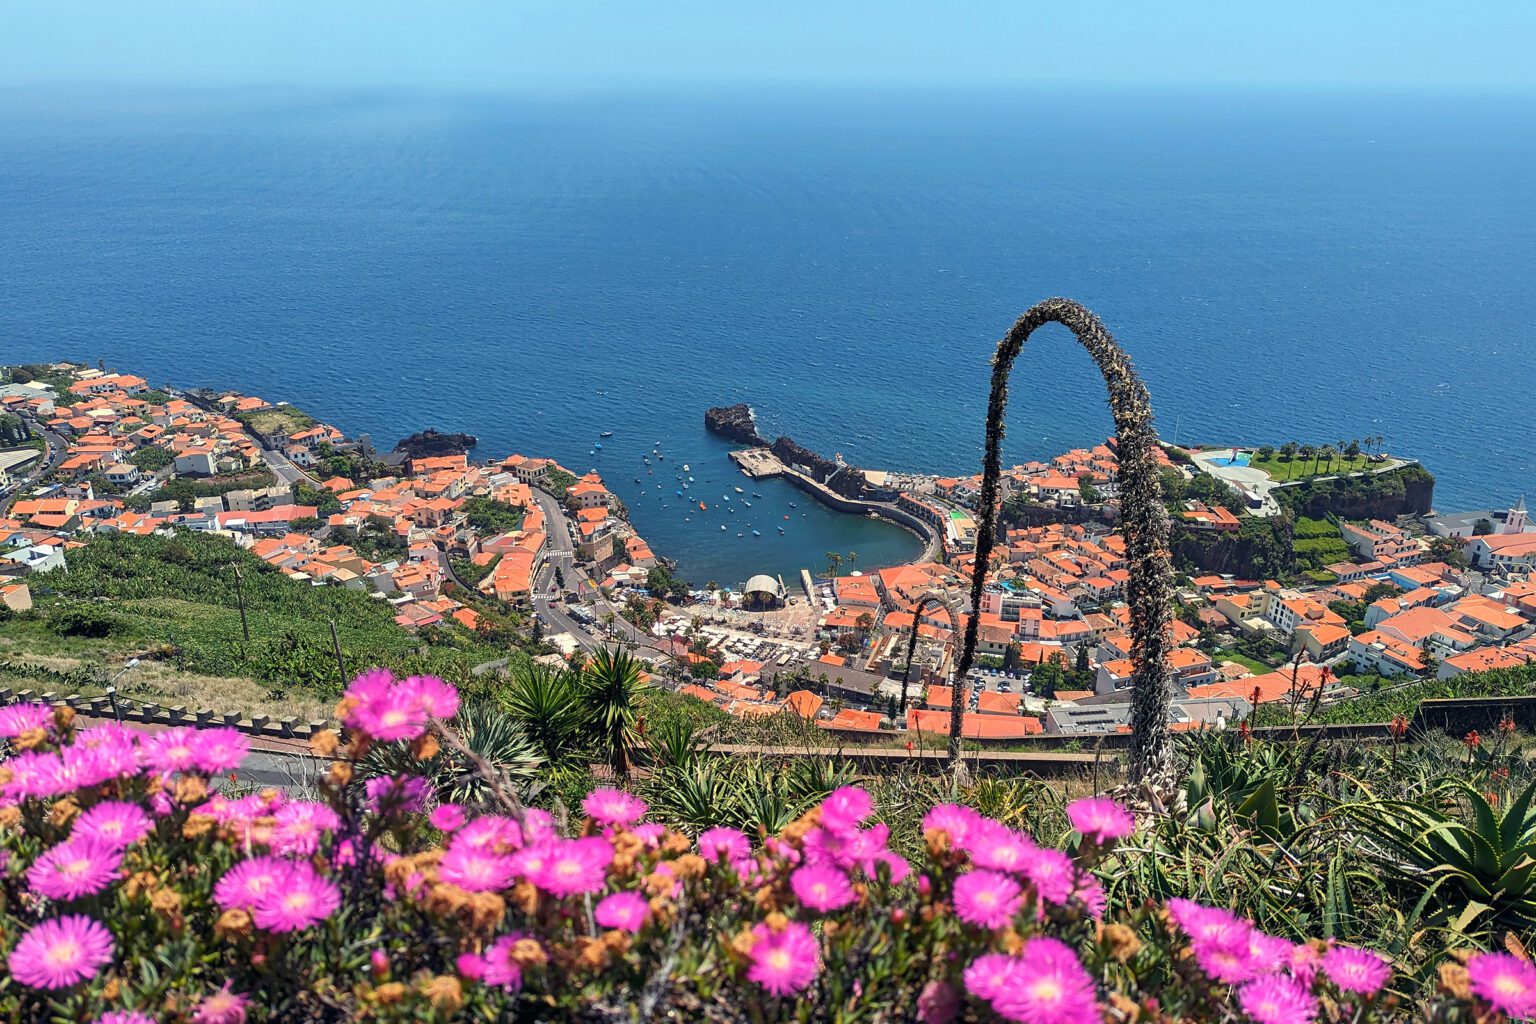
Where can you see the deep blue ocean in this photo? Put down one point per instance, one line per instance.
(538, 270)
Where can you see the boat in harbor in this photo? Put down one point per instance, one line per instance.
(685, 469)
(739, 535)
(597, 445)
(756, 534)
(781, 531)
(722, 526)
(606, 433)
(739, 491)
(747, 503)
(645, 459)
(791, 504)
(756, 495)
(703, 507)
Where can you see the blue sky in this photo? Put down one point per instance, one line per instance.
(497, 44)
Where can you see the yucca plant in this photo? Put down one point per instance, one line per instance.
(494, 745)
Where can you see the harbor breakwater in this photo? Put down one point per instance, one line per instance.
(837, 485)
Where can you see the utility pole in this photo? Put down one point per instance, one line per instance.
(245, 626)
(336, 643)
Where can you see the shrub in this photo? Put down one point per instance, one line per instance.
(136, 879)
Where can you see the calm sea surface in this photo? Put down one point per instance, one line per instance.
(538, 271)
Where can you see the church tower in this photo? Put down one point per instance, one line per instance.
(1516, 521)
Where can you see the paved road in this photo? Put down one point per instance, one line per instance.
(57, 449)
(285, 469)
(562, 553)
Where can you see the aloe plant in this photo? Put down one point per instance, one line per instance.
(1460, 843)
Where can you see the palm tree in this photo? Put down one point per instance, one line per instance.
(1144, 523)
(1306, 452)
(1328, 453)
(833, 561)
(853, 560)
(610, 688)
(546, 704)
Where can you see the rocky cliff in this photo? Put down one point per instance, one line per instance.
(1409, 490)
(734, 423)
(430, 444)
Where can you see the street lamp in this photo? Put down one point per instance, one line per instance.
(131, 663)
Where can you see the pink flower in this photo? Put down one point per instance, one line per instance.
(20, 718)
(1505, 982)
(390, 711)
(304, 899)
(610, 806)
(999, 848)
(1100, 819)
(1049, 987)
(223, 1007)
(435, 697)
(626, 911)
(299, 826)
(447, 817)
(170, 750)
(1269, 954)
(251, 881)
(1052, 874)
(650, 833)
(938, 1003)
(472, 966)
(1091, 895)
(783, 962)
(220, 749)
(114, 823)
(1356, 970)
(845, 808)
(1222, 942)
(1304, 963)
(398, 794)
(955, 820)
(822, 887)
(61, 952)
(728, 843)
(75, 868)
(576, 866)
(990, 974)
(477, 870)
(492, 832)
(987, 899)
(1276, 999)
(125, 1017)
(500, 969)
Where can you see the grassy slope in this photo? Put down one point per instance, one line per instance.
(1299, 468)
(176, 597)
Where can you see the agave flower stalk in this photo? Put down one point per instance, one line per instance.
(1143, 521)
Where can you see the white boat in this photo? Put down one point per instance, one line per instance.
(756, 534)
(606, 433)
(685, 468)
(739, 535)
(722, 526)
(747, 503)
(739, 490)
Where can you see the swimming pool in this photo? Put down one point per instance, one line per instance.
(1239, 459)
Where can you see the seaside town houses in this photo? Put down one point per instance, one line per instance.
(429, 534)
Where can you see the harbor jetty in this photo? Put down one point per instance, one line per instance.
(833, 482)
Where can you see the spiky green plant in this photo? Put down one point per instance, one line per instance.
(1144, 523)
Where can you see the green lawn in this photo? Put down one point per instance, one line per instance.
(1299, 468)
(286, 418)
(1253, 665)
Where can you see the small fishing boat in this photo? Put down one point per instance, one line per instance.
(791, 504)
(689, 519)
(726, 497)
(756, 495)
(606, 433)
(597, 445)
(756, 534)
(690, 479)
(747, 503)
(739, 490)
(703, 507)
(786, 519)
(592, 452)
(781, 531)
(679, 494)
(660, 456)
(645, 459)
(722, 526)
(685, 469)
(739, 535)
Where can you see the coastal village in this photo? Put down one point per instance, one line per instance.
(446, 541)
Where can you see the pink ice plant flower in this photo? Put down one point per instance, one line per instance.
(1277, 999)
(305, 899)
(251, 881)
(116, 823)
(626, 911)
(299, 826)
(995, 846)
(1356, 970)
(397, 794)
(125, 1017)
(1100, 819)
(987, 899)
(477, 870)
(497, 966)
(447, 817)
(391, 711)
(61, 952)
(20, 718)
(989, 974)
(1052, 873)
(845, 808)
(783, 962)
(718, 844)
(223, 1007)
(75, 868)
(221, 749)
(609, 806)
(957, 821)
(575, 866)
(170, 750)
(492, 832)
(1049, 986)
(822, 887)
(1505, 982)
